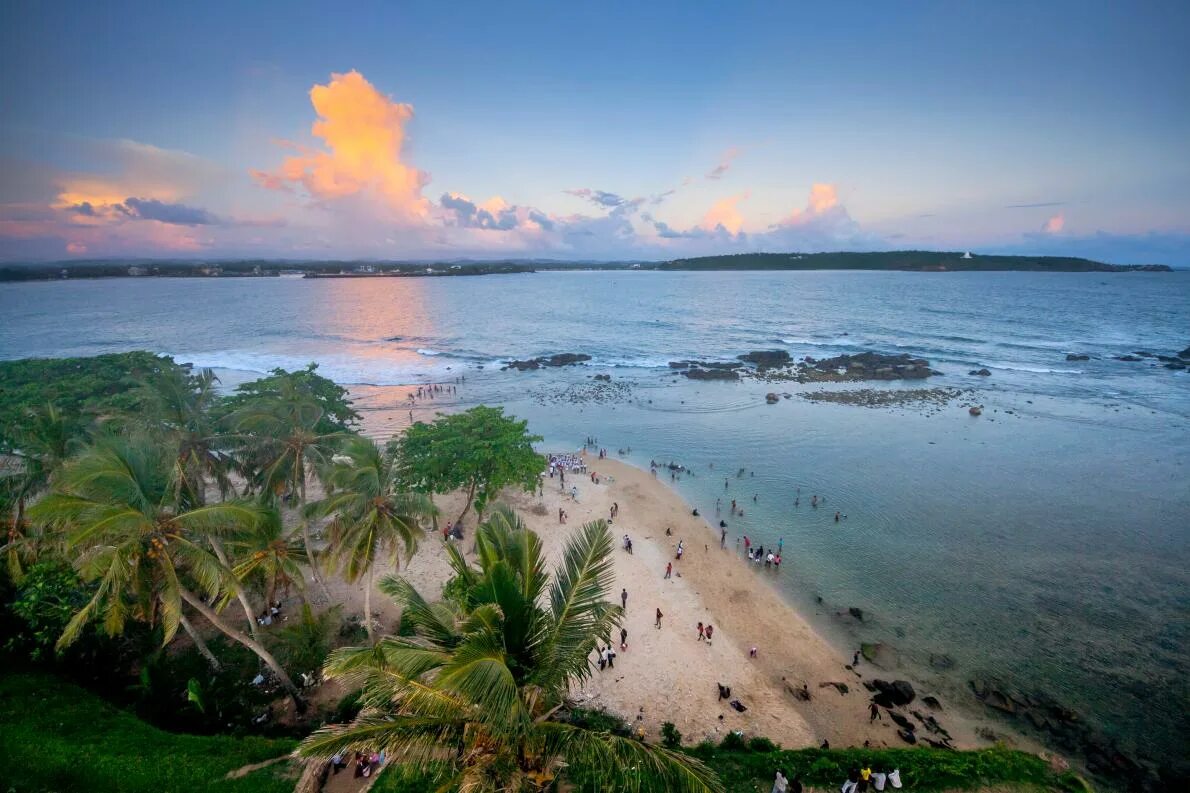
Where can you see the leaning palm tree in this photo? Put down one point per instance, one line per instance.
(44, 441)
(282, 446)
(372, 518)
(471, 696)
(148, 552)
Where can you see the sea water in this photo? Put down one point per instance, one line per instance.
(1045, 543)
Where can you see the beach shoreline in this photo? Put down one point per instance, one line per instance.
(668, 674)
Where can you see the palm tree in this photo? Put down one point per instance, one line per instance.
(282, 446)
(149, 553)
(472, 694)
(176, 408)
(269, 557)
(45, 440)
(371, 517)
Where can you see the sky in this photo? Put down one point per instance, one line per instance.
(593, 131)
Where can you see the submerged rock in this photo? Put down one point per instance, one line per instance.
(1074, 356)
(712, 374)
(558, 359)
(771, 398)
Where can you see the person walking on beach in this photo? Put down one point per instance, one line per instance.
(747, 545)
(723, 538)
(873, 711)
(776, 563)
(624, 598)
(724, 484)
(659, 616)
(602, 658)
(623, 639)
(780, 544)
(669, 569)
(701, 632)
(709, 631)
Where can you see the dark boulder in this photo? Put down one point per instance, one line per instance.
(1074, 356)
(895, 694)
(765, 359)
(931, 702)
(558, 359)
(771, 398)
(1131, 358)
(858, 613)
(907, 736)
(1185, 353)
(980, 372)
(901, 721)
(604, 377)
(712, 374)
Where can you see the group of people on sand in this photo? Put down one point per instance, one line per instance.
(757, 556)
(429, 391)
(271, 614)
(860, 780)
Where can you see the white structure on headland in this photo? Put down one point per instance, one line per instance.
(966, 255)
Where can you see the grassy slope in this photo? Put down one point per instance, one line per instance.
(55, 736)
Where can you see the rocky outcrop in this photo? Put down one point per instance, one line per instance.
(868, 366)
(771, 398)
(1185, 354)
(767, 359)
(607, 378)
(975, 410)
(1075, 356)
(558, 359)
(894, 694)
(1129, 358)
(980, 372)
(712, 374)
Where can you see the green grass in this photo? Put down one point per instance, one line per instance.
(55, 736)
(921, 769)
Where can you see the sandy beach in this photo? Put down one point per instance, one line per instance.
(667, 674)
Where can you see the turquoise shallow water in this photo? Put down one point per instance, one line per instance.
(1049, 546)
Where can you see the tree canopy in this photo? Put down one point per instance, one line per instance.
(298, 385)
(480, 451)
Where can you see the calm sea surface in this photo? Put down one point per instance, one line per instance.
(1048, 546)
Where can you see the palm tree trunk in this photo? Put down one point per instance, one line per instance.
(241, 595)
(313, 561)
(253, 645)
(467, 506)
(368, 605)
(199, 644)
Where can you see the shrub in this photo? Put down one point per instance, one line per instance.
(733, 742)
(670, 736)
(761, 744)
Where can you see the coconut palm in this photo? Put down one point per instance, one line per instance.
(372, 519)
(282, 445)
(471, 696)
(45, 440)
(149, 553)
(176, 408)
(269, 557)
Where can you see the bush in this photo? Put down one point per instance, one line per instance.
(733, 742)
(600, 721)
(761, 744)
(670, 736)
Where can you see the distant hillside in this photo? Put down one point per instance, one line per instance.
(922, 261)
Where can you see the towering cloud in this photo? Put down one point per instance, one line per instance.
(724, 215)
(364, 132)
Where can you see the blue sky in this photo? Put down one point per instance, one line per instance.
(551, 131)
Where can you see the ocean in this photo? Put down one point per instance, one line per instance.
(1044, 544)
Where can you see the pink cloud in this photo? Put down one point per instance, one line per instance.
(724, 214)
(1055, 224)
(724, 163)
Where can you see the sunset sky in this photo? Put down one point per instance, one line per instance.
(593, 131)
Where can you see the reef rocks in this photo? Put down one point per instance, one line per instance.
(1185, 354)
(866, 366)
(975, 410)
(558, 359)
(927, 399)
(1075, 356)
(980, 372)
(771, 398)
(708, 370)
(607, 378)
(767, 359)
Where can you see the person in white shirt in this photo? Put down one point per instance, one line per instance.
(780, 783)
(894, 778)
(879, 777)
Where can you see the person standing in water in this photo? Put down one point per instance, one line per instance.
(659, 616)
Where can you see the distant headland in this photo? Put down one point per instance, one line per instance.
(916, 261)
(906, 261)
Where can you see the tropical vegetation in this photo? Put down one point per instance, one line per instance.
(471, 697)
